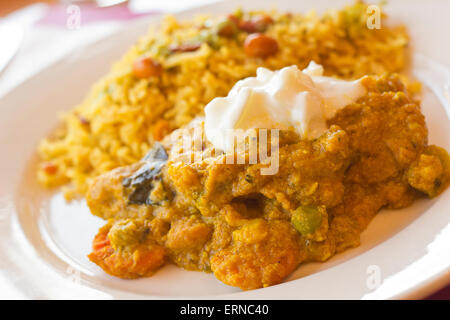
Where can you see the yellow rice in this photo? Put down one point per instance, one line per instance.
(119, 114)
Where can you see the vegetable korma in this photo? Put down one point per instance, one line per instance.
(352, 141)
(253, 230)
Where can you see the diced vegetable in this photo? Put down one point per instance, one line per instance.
(126, 233)
(255, 24)
(311, 222)
(226, 28)
(254, 231)
(49, 168)
(306, 219)
(236, 19)
(187, 47)
(146, 67)
(184, 57)
(260, 45)
(210, 37)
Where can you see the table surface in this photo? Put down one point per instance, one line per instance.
(8, 6)
(32, 53)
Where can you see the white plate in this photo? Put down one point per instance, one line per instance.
(44, 241)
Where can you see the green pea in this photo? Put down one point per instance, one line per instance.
(306, 219)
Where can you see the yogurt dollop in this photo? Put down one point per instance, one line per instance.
(283, 99)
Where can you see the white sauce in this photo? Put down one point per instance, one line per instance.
(287, 98)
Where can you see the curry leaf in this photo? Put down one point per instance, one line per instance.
(141, 182)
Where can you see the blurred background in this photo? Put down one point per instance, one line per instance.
(8, 6)
(35, 33)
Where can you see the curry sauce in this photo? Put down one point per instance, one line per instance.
(252, 230)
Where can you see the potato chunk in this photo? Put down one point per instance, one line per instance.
(188, 234)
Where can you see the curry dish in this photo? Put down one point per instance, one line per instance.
(253, 230)
(165, 203)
